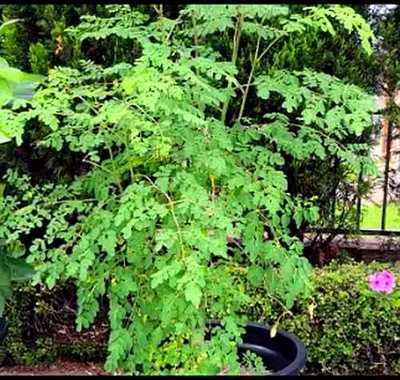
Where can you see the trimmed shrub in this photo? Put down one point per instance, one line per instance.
(347, 329)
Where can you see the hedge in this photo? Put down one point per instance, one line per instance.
(346, 331)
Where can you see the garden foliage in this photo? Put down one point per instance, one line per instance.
(347, 328)
(173, 163)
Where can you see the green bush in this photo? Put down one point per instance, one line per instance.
(168, 174)
(347, 329)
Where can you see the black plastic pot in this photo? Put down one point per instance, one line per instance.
(3, 330)
(283, 355)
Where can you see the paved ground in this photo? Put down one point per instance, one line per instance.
(60, 367)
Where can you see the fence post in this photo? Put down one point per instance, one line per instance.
(358, 211)
(386, 173)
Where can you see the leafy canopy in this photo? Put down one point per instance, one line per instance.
(166, 180)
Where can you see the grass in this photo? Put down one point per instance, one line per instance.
(371, 216)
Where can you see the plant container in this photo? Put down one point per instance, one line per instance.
(282, 355)
(3, 335)
(3, 330)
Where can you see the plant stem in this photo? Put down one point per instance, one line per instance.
(255, 62)
(195, 37)
(246, 90)
(177, 21)
(171, 204)
(115, 168)
(159, 10)
(236, 41)
(269, 47)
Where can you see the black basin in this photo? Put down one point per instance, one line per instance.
(283, 355)
(3, 330)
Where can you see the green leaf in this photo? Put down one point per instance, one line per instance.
(5, 285)
(24, 89)
(298, 217)
(109, 240)
(193, 293)
(165, 273)
(11, 74)
(5, 90)
(255, 275)
(20, 270)
(4, 137)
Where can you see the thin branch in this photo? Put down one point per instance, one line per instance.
(269, 47)
(195, 37)
(171, 204)
(236, 41)
(159, 10)
(246, 90)
(177, 21)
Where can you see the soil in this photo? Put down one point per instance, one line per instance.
(60, 367)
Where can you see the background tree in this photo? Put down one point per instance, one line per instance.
(386, 25)
(336, 189)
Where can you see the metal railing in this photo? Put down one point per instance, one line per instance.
(392, 133)
(390, 136)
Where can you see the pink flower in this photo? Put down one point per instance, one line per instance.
(382, 282)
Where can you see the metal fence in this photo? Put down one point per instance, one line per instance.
(386, 151)
(387, 141)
